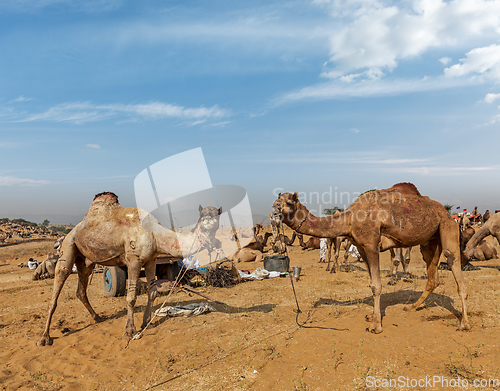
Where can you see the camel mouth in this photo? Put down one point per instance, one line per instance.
(209, 224)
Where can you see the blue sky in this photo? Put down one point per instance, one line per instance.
(318, 96)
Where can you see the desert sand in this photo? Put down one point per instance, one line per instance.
(256, 340)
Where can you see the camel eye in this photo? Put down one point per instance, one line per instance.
(290, 202)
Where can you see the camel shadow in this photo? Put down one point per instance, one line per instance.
(398, 297)
(490, 267)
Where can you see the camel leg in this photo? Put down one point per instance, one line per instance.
(430, 253)
(346, 254)
(336, 242)
(372, 260)
(332, 242)
(407, 276)
(396, 256)
(84, 272)
(259, 257)
(150, 269)
(67, 258)
(450, 239)
(134, 268)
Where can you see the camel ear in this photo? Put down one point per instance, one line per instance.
(279, 195)
(295, 196)
(220, 210)
(200, 208)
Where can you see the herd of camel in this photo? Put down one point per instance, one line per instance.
(395, 218)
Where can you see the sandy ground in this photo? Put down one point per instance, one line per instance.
(253, 342)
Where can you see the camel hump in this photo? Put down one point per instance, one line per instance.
(107, 195)
(406, 187)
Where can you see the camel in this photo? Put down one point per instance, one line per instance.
(380, 219)
(486, 216)
(278, 245)
(335, 245)
(112, 235)
(397, 258)
(491, 227)
(47, 268)
(259, 243)
(313, 242)
(286, 239)
(247, 255)
(464, 222)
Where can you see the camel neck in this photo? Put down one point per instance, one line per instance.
(322, 227)
(180, 244)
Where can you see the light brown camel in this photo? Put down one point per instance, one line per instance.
(491, 227)
(247, 255)
(381, 219)
(47, 268)
(277, 245)
(112, 235)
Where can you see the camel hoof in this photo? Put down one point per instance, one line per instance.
(409, 308)
(409, 280)
(99, 319)
(129, 335)
(464, 327)
(374, 329)
(369, 318)
(47, 341)
(392, 281)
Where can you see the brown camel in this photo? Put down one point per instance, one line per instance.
(259, 243)
(286, 239)
(486, 216)
(312, 243)
(112, 235)
(381, 219)
(491, 227)
(334, 244)
(397, 258)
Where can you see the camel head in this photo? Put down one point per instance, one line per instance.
(107, 195)
(288, 209)
(209, 217)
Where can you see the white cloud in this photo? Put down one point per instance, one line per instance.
(490, 98)
(445, 60)
(365, 88)
(20, 99)
(89, 6)
(12, 181)
(483, 61)
(95, 146)
(354, 130)
(81, 112)
(382, 33)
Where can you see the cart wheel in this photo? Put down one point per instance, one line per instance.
(115, 281)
